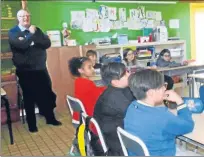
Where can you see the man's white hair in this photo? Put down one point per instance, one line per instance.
(20, 12)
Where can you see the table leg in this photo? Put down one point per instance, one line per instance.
(8, 119)
(193, 87)
(190, 87)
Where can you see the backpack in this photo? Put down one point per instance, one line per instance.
(83, 137)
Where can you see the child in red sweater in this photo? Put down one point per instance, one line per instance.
(85, 89)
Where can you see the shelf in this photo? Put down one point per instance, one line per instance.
(8, 18)
(141, 44)
(4, 29)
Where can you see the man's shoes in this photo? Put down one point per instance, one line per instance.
(33, 130)
(54, 122)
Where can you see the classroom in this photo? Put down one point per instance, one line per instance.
(102, 78)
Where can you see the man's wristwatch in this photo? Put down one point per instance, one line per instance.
(181, 106)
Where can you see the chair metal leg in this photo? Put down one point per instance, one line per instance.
(22, 110)
(21, 103)
(9, 119)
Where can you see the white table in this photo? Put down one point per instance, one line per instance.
(196, 137)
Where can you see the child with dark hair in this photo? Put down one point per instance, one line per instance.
(92, 55)
(129, 58)
(111, 106)
(85, 89)
(164, 60)
(156, 125)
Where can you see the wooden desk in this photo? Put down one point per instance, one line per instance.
(197, 136)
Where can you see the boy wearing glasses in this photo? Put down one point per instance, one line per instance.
(154, 124)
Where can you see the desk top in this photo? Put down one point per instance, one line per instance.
(197, 76)
(190, 65)
(194, 64)
(197, 134)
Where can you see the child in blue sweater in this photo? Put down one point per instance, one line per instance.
(156, 126)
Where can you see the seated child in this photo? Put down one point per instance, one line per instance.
(130, 60)
(85, 89)
(111, 106)
(164, 60)
(156, 126)
(92, 55)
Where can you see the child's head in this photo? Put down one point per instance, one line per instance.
(92, 55)
(81, 67)
(148, 85)
(115, 74)
(166, 55)
(128, 55)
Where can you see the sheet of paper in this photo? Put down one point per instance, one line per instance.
(150, 24)
(134, 14)
(103, 12)
(104, 25)
(55, 38)
(112, 13)
(174, 23)
(115, 25)
(158, 16)
(91, 20)
(92, 14)
(77, 18)
(151, 15)
(134, 24)
(89, 25)
(122, 14)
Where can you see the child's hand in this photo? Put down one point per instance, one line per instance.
(172, 96)
(152, 67)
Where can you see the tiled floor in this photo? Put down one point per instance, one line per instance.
(48, 141)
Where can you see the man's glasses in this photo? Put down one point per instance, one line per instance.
(25, 16)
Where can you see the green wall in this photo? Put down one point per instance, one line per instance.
(50, 15)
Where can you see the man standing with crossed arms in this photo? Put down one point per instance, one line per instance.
(28, 44)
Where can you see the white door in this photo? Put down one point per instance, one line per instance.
(199, 36)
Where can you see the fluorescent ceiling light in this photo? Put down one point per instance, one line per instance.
(144, 2)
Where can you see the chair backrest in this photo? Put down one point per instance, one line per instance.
(131, 143)
(95, 128)
(75, 105)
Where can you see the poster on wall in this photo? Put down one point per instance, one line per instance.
(112, 13)
(122, 14)
(151, 14)
(115, 25)
(103, 12)
(134, 24)
(158, 16)
(104, 25)
(92, 14)
(77, 18)
(92, 18)
(89, 25)
(134, 14)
